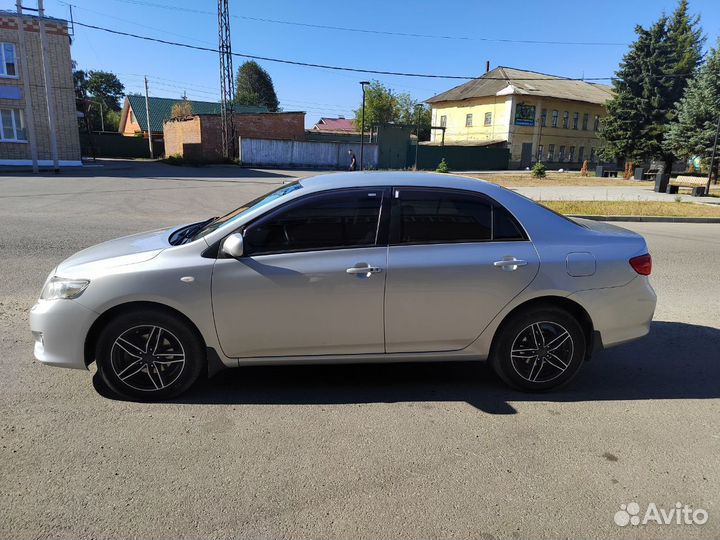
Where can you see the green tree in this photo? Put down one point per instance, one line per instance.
(693, 131)
(97, 91)
(650, 80)
(383, 106)
(254, 86)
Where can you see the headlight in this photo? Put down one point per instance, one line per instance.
(63, 288)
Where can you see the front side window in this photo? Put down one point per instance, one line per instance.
(433, 217)
(336, 220)
(571, 154)
(596, 123)
(8, 63)
(443, 121)
(468, 120)
(581, 153)
(566, 119)
(12, 125)
(551, 152)
(561, 154)
(488, 118)
(576, 119)
(586, 119)
(543, 118)
(592, 154)
(554, 119)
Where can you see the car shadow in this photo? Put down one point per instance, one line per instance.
(675, 361)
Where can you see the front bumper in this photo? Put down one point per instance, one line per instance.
(59, 328)
(620, 314)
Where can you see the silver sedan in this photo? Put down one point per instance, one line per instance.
(350, 267)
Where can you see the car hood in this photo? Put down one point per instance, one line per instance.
(131, 249)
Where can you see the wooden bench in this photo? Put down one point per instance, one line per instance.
(696, 183)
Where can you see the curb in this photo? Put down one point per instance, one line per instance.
(650, 219)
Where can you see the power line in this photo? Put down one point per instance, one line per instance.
(374, 31)
(343, 68)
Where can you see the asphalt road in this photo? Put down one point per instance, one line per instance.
(434, 450)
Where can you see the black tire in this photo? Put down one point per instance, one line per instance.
(138, 364)
(543, 365)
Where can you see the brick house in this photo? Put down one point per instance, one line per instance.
(133, 117)
(335, 125)
(199, 138)
(17, 125)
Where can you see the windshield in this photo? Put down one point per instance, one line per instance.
(252, 205)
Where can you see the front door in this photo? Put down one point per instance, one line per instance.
(311, 281)
(450, 268)
(526, 155)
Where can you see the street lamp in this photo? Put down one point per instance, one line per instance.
(362, 125)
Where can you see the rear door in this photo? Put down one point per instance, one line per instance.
(455, 259)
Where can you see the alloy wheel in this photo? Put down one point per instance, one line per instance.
(542, 352)
(147, 358)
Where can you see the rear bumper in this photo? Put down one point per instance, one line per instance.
(620, 314)
(59, 328)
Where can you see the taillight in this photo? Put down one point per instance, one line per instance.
(642, 264)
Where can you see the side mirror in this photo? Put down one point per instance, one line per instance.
(233, 245)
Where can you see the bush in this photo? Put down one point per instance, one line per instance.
(538, 170)
(443, 167)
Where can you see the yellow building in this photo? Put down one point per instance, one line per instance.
(537, 116)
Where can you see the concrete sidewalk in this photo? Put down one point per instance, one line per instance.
(605, 193)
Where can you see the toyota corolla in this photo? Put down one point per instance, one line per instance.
(350, 267)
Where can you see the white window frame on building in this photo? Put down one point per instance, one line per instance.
(443, 120)
(551, 152)
(576, 120)
(566, 120)
(555, 115)
(488, 118)
(586, 120)
(4, 47)
(15, 120)
(468, 120)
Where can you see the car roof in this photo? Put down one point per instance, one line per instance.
(396, 179)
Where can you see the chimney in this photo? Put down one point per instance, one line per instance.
(487, 66)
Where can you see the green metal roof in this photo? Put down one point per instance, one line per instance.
(161, 108)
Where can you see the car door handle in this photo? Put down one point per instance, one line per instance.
(363, 269)
(509, 263)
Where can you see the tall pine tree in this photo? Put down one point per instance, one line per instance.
(651, 79)
(693, 131)
(253, 86)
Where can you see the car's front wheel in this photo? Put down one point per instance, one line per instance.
(539, 349)
(149, 355)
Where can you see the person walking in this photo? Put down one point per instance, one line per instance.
(353, 161)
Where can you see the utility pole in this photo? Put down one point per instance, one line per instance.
(147, 114)
(712, 160)
(362, 125)
(30, 118)
(49, 93)
(227, 81)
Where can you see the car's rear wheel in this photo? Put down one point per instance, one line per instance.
(539, 349)
(149, 355)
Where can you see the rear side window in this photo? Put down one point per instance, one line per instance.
(430, 217)
(344, 219)
(505, 226)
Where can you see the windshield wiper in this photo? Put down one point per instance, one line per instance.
(181, 236)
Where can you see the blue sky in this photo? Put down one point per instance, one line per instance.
(172, 70)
